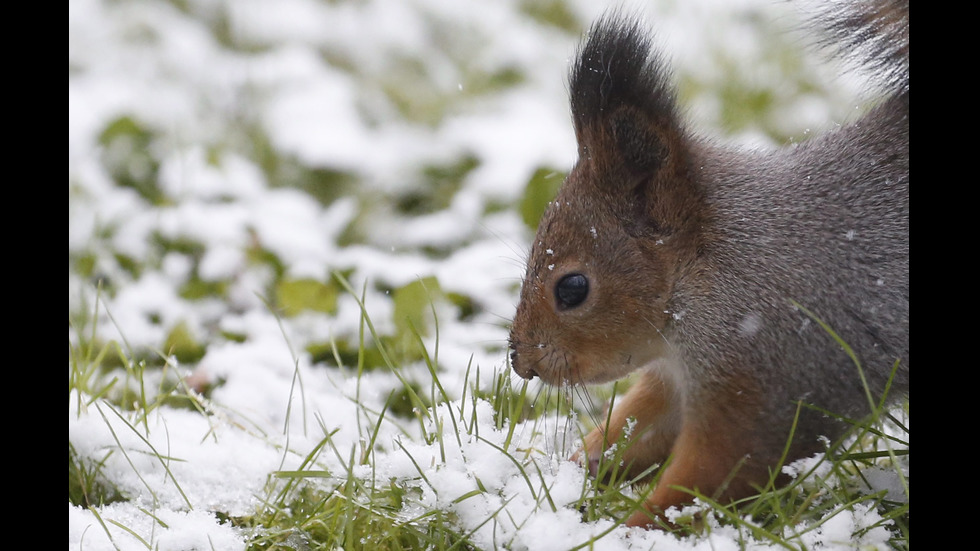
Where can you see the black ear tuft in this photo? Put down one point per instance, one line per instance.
(622, 101)
(616, 68)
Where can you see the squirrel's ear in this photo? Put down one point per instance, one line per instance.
(641, 144)
(623, 104)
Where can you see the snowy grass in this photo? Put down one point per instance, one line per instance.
(338, 496)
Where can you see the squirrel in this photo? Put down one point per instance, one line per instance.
(722, 274)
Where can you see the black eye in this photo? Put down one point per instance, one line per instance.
(571, 290)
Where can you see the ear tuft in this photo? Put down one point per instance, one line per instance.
(617, 67)
(622, 101)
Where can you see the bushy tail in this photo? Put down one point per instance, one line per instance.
(876, 33)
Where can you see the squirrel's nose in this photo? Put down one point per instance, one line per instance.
(522, 371)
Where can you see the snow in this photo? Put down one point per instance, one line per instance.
(166, 67)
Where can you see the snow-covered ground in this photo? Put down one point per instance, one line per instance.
(377, 92)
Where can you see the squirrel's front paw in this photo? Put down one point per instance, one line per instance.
(593, 446)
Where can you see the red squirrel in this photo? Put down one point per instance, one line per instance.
(713, 269)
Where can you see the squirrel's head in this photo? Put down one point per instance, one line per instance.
(595, 298)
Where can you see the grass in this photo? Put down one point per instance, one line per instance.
(347, 505)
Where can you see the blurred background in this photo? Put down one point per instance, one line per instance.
(228, 159)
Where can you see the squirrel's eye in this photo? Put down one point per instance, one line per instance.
(571, 290)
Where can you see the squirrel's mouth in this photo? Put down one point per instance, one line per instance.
(520, 367)
(530, 361)
(544, 362)
(557, 365)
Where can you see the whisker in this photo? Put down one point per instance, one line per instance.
(659, 332)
